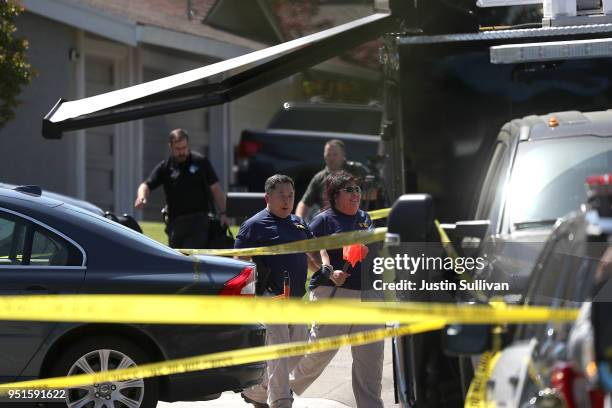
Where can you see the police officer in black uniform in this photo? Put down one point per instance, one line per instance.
(190, 184)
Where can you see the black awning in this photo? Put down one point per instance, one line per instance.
(197, 89)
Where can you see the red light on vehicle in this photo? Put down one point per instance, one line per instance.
(562, 379)
(249, 148)
(599, 180)
(241, 285)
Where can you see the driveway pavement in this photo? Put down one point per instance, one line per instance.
(331, 390)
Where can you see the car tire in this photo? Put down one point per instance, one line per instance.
(114, 352)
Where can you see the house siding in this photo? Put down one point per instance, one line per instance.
(28, 158)
(69, 165)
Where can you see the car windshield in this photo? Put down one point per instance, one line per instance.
(548, 177)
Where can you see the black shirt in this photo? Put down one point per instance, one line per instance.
(186, 185)
(265, 229)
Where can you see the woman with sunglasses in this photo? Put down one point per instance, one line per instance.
(339, 280)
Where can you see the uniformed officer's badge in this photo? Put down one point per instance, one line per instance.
(300, 226)
(193, 168)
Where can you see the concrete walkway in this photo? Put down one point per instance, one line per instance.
(332, 390)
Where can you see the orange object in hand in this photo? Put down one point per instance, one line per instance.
(354, 254)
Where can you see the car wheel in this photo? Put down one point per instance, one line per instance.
(100, 354)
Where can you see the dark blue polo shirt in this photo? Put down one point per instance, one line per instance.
(331, 222)
(265, 229)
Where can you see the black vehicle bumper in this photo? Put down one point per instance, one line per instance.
(208, 384)
(205, 385)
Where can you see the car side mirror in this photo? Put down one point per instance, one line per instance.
(411, 218)
(469, 235)
(467, 339)
(602, 335)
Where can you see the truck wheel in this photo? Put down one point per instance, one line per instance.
(100, 354)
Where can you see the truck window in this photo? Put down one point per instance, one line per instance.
(492, 184)
(356, 121)
(548, 177)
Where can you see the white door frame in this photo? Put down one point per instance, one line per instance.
(127, 141)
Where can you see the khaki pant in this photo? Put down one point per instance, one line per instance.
(275, 387)
(367, 359)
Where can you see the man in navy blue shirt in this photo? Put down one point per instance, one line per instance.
(276, 225)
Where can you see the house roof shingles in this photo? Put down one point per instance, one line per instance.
(170, 15)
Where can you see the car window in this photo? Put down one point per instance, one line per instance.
(564, 278)
(48, 249)
(303, 150)
(12, 239)
(548, 177)
(491, 187)
(23, 242)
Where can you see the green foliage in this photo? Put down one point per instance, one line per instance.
(15, 72)
(155, 230)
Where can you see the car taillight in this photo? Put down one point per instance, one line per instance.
(248, 148)
(596, 398)
(562, 379)
(241, 285)
(599, 180)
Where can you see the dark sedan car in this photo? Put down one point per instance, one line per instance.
(50, 247)
(86, 205)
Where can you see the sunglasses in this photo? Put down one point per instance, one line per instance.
(355, 189)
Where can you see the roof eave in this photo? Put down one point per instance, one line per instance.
(129, 32)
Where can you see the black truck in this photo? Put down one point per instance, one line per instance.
(294, 140)
(469, 115)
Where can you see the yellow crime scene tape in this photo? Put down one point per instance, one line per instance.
(446, 242)
(451, 252)
(224, 359)
(190, 309)
(308, 245)
(379, 214)
(477, 393)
